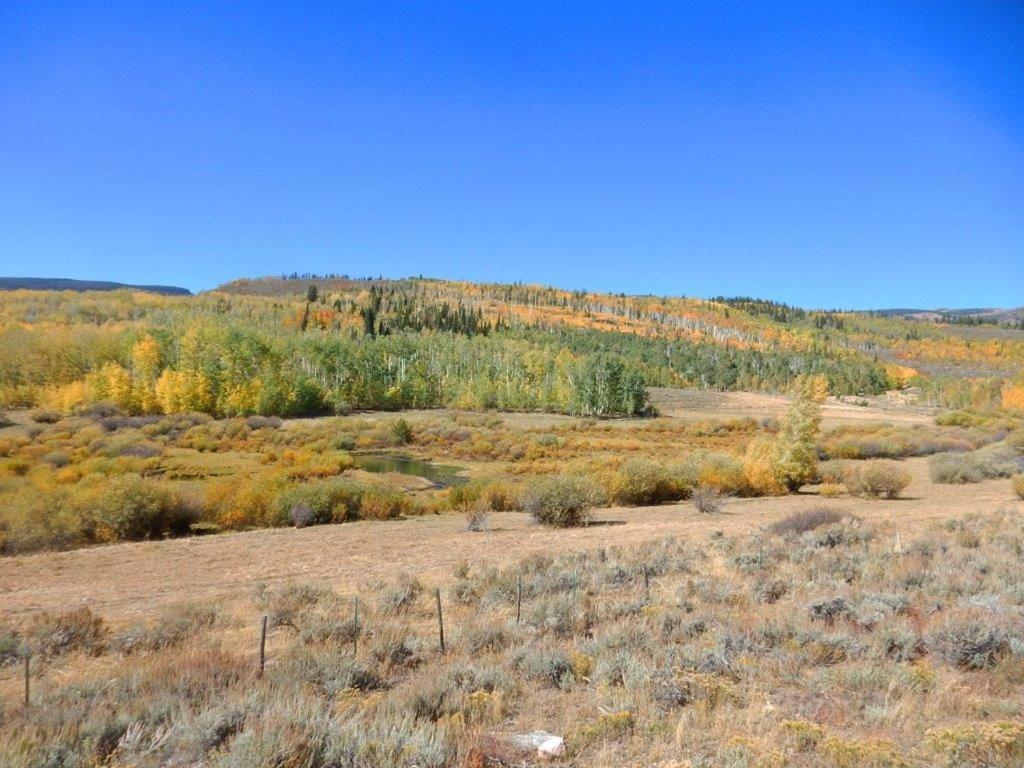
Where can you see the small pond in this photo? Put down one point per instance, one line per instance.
(443, 475)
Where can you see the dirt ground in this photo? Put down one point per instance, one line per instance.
(125, 581)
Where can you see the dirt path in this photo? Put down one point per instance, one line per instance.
(127, 580)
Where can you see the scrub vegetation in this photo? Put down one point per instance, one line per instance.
(811, 643)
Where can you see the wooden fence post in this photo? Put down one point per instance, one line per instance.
(519, 599)
(28, 663)
(440, 618)
(263, 644)
(355, 633)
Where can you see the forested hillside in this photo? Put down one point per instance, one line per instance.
(305, 345)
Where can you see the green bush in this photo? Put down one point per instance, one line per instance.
(329, 501)
(133, 507)
(401, 432)
(563, 501)
(876, 479)
(642, 481)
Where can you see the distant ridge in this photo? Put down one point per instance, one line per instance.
(66, 284)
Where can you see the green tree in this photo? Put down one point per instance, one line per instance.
(796, 451)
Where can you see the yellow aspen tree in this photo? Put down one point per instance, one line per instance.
(145, 369)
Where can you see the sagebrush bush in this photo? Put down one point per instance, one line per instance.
(707, 499)
(806, 520)
(173, 627)
(876, 479)
(997, 460)
(562, 501)
(968, 640)
(54, 634)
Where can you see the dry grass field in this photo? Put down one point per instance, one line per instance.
(815, 629)
(127, 580)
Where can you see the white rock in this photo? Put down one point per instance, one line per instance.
(548, 745)
(553, 747)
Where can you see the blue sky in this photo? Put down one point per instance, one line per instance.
(860, 154)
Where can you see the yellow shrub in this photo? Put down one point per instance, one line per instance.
(867, 753)
(830, 490)
(805, 736)
(994, 745)
(759, 468)
(235, 504)
(1013, 396)
(383, 504)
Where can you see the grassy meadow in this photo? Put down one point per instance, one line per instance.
(834, 633)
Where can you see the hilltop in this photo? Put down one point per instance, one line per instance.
(67, 284)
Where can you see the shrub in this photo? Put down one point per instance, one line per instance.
(1018, 485)
(263, 422)
(967, 640)
(996, 460)
(477, 520)
(642, 481)
(382, 503)
(830, 490)
(287, 604)
(499, 497)
(11, 646)
(876, 479)
(133, 507)
(401, 432)
(236, 505)
(721, 471)
(563, 501)
(45, 417)
(54, 634)
(832, 471)
(300, 515)
(760, 467)
(806, 520)
(319, 502)
(707, 499)
(992, 745)
(175, 626)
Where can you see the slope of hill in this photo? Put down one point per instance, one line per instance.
(67, 284)
(310, 345)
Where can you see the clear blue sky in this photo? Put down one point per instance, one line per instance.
(827, 154)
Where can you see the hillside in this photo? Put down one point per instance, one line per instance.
(308, 346)
(66, 284)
